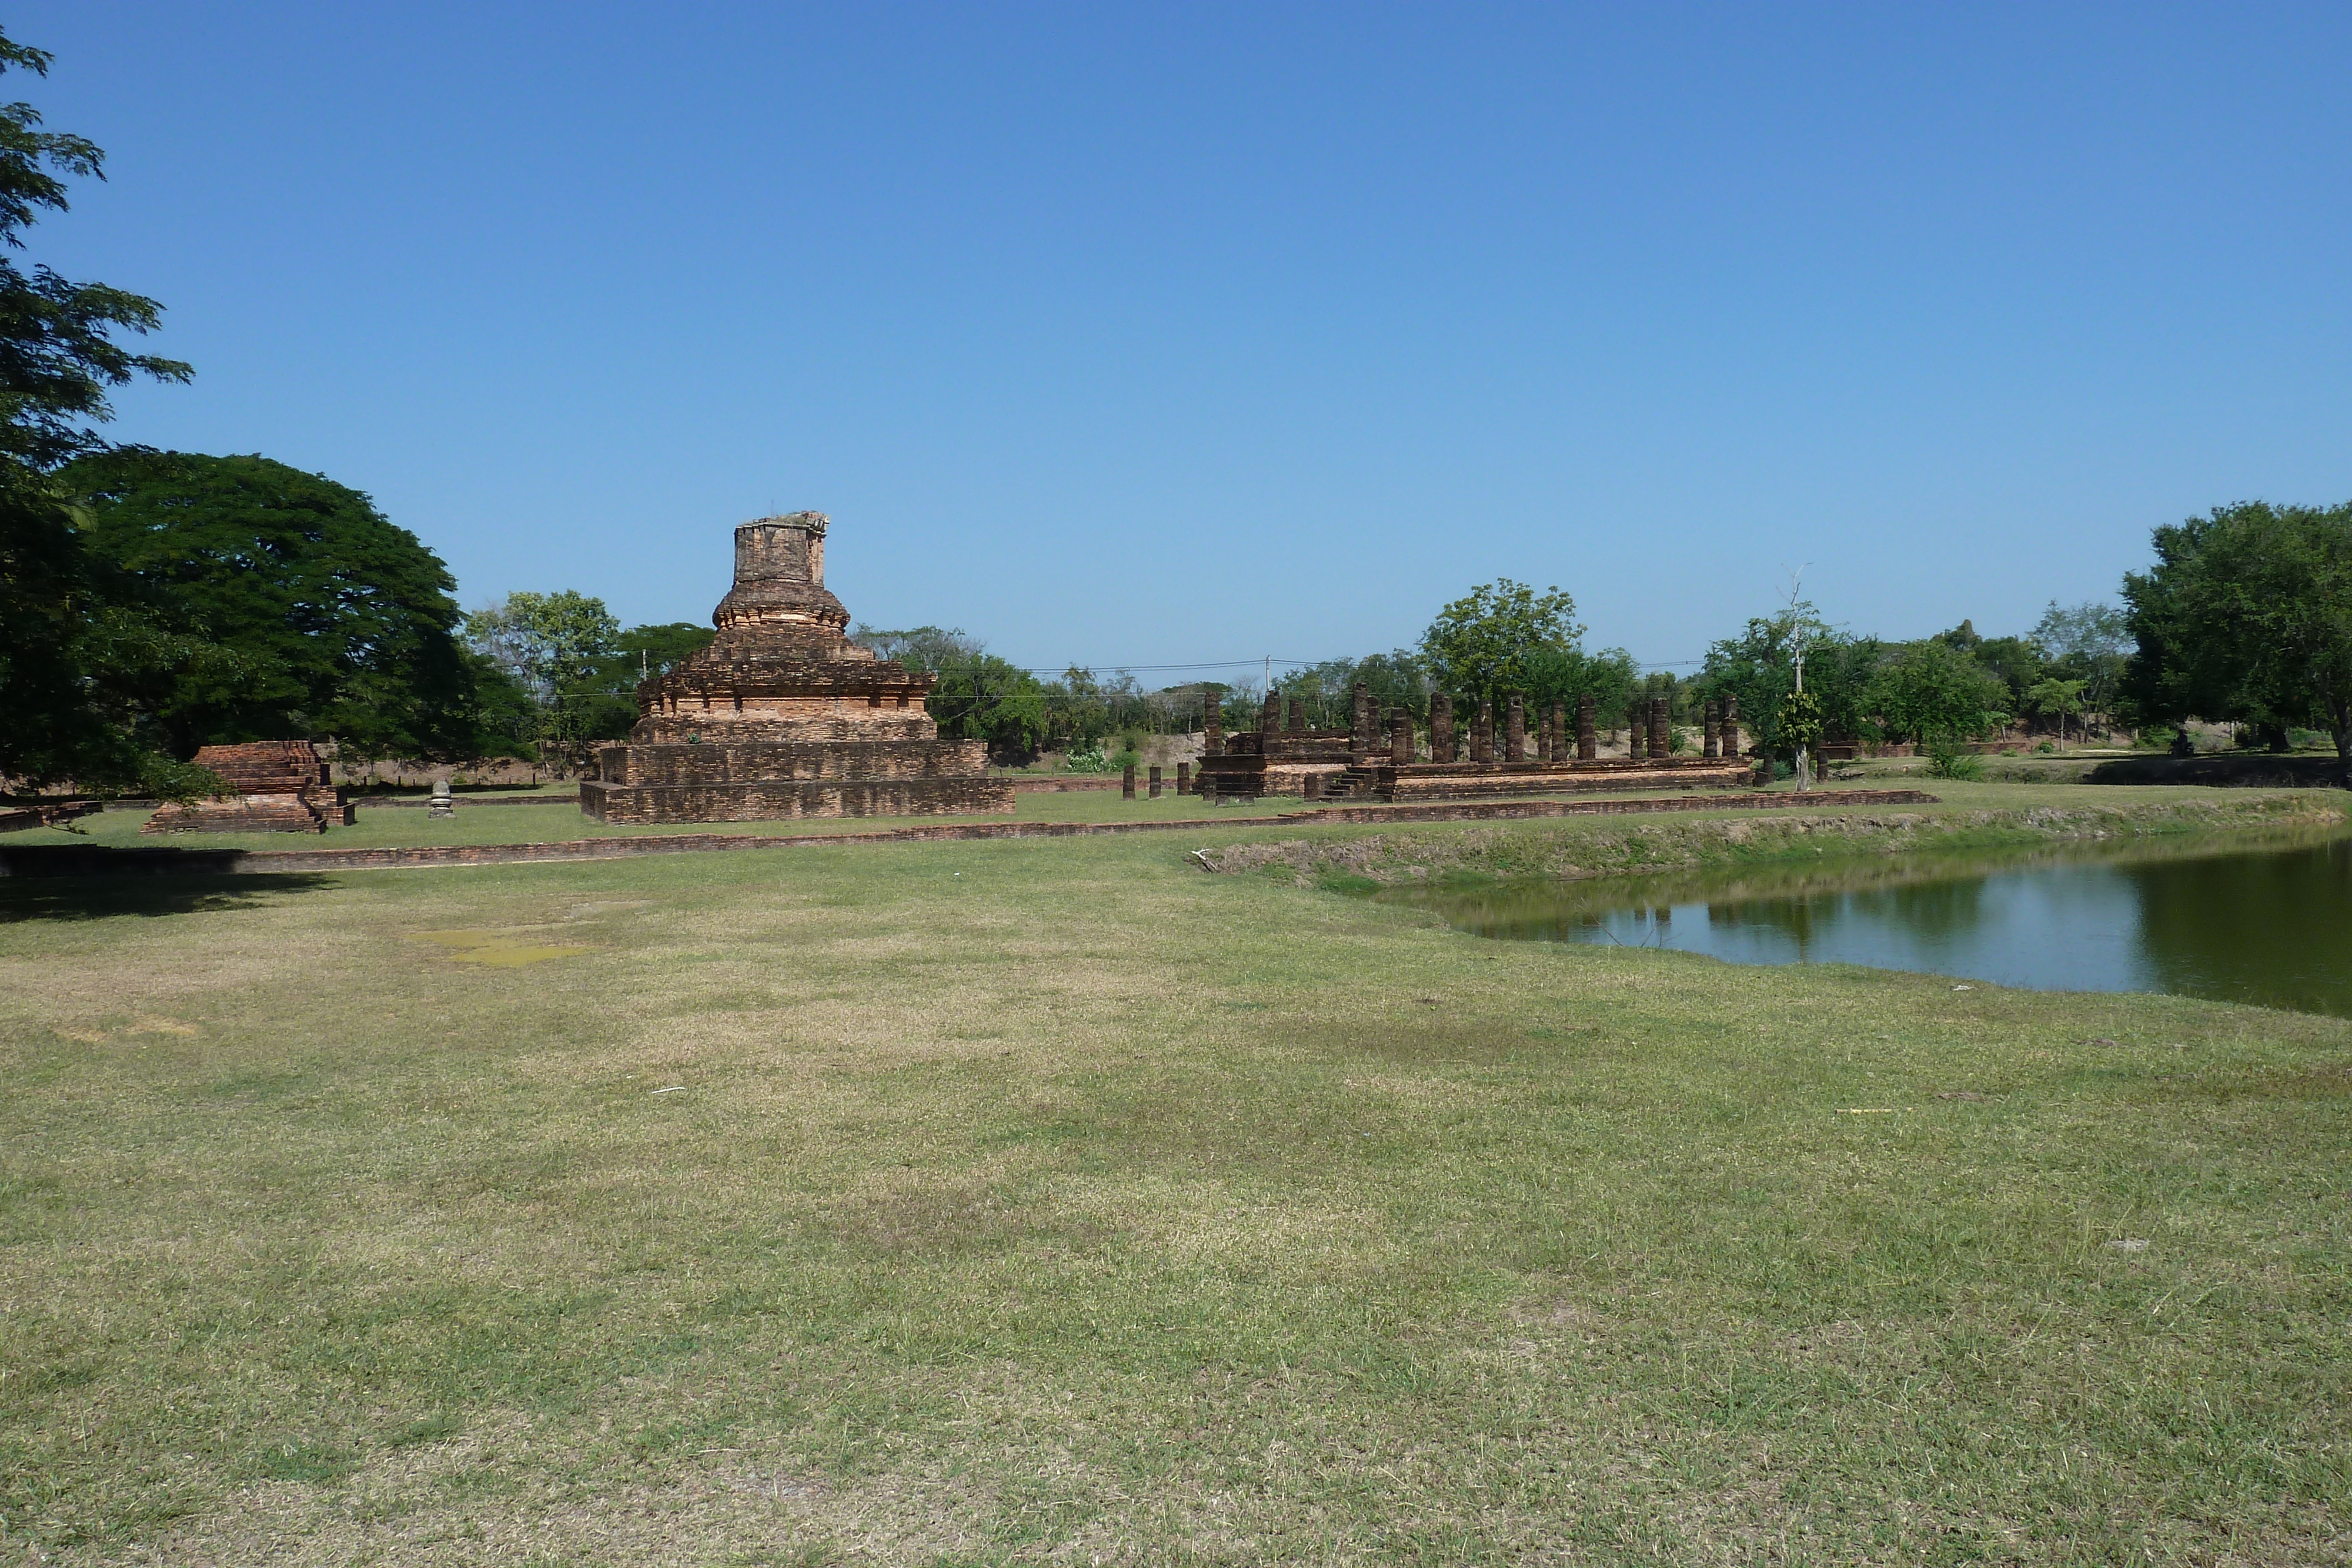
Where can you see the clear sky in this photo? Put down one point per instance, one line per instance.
(1142, 335)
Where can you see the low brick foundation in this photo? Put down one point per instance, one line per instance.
(733, 763)
(1425, 783)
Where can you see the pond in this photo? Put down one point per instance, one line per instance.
(2268, 923)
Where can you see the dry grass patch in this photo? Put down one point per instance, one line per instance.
(1020, 1202)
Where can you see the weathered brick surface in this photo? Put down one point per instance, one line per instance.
(783, 716)
(276, 787)
(775, 799)
(725, 763)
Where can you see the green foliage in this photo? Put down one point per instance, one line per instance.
(2247, 615)
(1567, 675)
(560, 676)
(978, 696)
(2052, 694)
(80, 647)
(1799, 721)
(1947, 760)
(2087, 642)
(338, 624)
(1486, 645)
(548, 641)
(1759, 668)
(58, 354)
(1934, 690)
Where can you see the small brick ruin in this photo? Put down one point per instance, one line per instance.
(275, 787)
(1377, 757)
(783, 716)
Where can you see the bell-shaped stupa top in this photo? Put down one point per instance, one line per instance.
(780, 577)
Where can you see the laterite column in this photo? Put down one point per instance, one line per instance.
(1662, 738)
(1712, 746)
(1514, 730)
(1441, 728)
(1400, 739)
(1588, 742)
(1482, 735)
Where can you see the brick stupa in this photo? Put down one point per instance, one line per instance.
(784, 716)
(274, 786)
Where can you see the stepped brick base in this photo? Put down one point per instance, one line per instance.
(737, 761)
(279, 786)
(782, 800)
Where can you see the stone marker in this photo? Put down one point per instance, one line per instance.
(1155, 783)
(1441, 728)
(442, 805)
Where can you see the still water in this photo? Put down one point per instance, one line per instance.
(2269, 922)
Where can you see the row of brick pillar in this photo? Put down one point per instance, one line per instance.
(1650, 729)
(1127, 781)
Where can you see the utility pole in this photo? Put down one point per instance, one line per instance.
(1797, 630)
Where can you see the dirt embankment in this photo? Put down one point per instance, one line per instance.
(1615, 847)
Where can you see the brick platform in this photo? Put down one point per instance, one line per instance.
(275, 787)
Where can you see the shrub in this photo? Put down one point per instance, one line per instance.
(1947, 761)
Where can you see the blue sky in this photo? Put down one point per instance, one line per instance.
(1136, 335)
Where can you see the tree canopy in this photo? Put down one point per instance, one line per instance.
(1486, 644)
(340, 623)
(2247, 615)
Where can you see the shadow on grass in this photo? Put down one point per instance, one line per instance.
(102, 897)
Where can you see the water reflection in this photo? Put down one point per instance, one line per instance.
(2263, 922)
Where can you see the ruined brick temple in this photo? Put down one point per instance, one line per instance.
(274, 786)
(784, 716)
(1379, 756)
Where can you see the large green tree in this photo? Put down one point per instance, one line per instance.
(76, 645)
(1487, 644)
(340, 623)
(2247, 614)
(1935, 692)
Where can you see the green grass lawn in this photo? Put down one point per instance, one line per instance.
(1053, 1201)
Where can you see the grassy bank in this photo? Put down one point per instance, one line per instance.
(1028, 1201)
(1970, 818)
